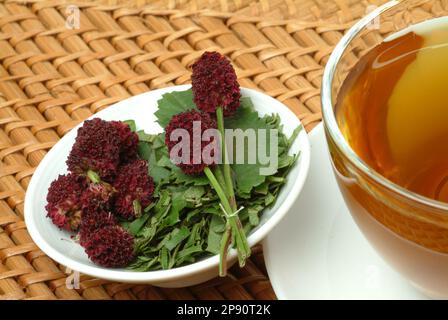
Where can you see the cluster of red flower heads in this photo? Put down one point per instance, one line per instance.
(107, 182)
(214, 84)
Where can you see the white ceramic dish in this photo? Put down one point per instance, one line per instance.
(318, 252)
(59, 246)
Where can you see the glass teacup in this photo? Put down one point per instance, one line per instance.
(408, 230)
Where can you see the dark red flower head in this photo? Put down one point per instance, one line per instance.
(96, 148)
(98, 197)
(64, 201)
(134, 189)
(215, 84)
(195, 163)
(93, 220)
(110, 247)
(128, 141)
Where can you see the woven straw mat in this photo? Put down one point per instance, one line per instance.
(51, 78)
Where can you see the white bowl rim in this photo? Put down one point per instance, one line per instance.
(159, 276)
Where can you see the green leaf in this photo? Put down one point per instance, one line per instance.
(164, 258)
(214, 236)
(148, 232)
(189, 251)
(158, 173)
(144, 263)
(194, 193)
(173, 103)
(173, 216)
(253, 217)
(165, 161)
(149, 207)
(245, 118)
(137, 224)
(262, 188)
(182, 178)
(192, 214)
(145, 137)
(177, 236)
(163, 205)
(144, 150)
(269, 199)
(158, 166)
(285, 160)
(159, 143)
(195, 234)
(294, 135)
(131, 124)
(247, 176)
(174, 256)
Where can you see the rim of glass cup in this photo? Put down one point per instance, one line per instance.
(330, 120)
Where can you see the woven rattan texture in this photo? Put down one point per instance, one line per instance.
(345, 10)
(52, 77)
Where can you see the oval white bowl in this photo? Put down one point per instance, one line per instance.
(58, 244)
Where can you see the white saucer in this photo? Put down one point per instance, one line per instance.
(318, 252)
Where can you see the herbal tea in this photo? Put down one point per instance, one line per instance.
(393, 109)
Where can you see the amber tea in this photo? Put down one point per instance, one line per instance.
(393, 111)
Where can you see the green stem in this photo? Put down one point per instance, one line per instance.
(226, 239)
(221, 194)
(233, 221)
(226, 166)
(225, 243)
(240, 236)
(93, 176)
(219, 176)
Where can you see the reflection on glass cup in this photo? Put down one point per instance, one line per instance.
(409, 230)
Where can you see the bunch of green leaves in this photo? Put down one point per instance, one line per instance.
(184, 223)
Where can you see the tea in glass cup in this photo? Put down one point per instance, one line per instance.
(385, 105)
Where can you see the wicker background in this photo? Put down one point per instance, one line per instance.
(51, 78)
